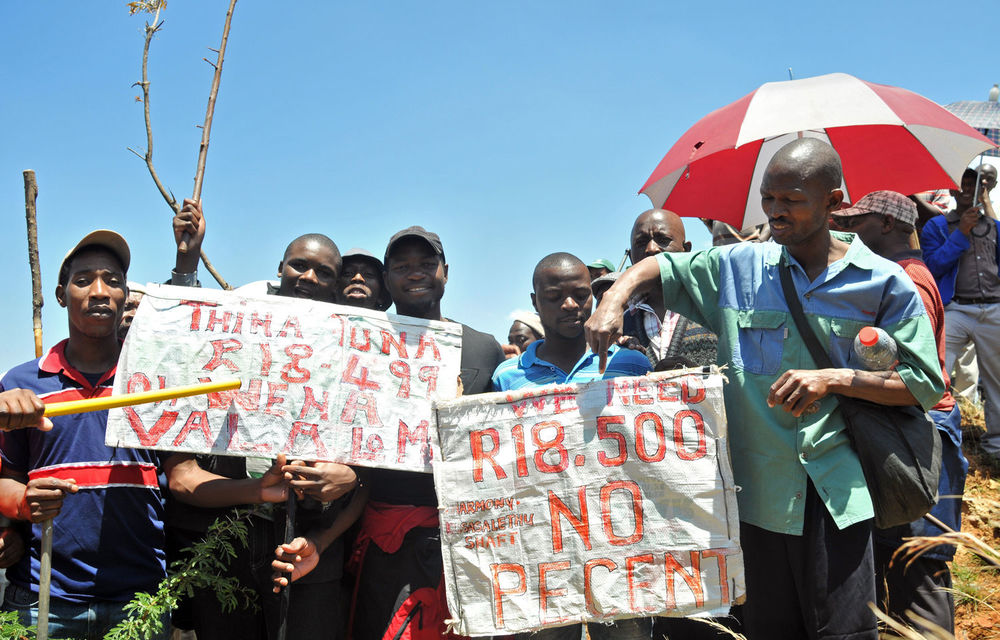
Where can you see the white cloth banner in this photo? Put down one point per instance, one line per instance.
(590, 502)
(320, 381)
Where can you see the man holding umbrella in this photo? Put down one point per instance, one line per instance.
(806, 515)
(962, 251)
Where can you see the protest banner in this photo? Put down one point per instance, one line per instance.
(320, 381)
(590, 502)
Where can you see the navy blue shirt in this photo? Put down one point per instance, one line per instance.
(108, 538)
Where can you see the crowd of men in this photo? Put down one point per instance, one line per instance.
(367, 560)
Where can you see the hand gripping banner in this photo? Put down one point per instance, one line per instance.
(589, 502)
(320, 381)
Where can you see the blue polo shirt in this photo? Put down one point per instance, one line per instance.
(108, 539)
(529, 370)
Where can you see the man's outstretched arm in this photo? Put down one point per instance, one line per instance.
(605, 324)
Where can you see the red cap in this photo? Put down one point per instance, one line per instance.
(868, 336)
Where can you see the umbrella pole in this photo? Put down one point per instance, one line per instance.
(45, 581)
(979, 179)
(290, 507)
(621, 265)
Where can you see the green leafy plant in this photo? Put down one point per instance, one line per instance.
(202, 567)
(12, 629)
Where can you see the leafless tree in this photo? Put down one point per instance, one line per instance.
(154, 7)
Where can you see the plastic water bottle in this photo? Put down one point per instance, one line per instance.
(876, 348)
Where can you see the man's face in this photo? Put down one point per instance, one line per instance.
(596, 272)
(868, 226)
(796, 208)
(128, 313)
(964, 197)
(654, 233)
(94, 293)
(308, 271)
(415, 276)
(520, 335)
(563, 299)
(360, 283)
(988, 174)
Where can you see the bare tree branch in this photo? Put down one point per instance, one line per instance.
(168, 196)
(199, 176)
(151, 30)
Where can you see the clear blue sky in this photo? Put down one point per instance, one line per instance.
(513, 129)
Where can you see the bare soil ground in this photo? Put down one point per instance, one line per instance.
(977, 586)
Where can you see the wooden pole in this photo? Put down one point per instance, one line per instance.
(30, 197)
(286, 595)
(45, 581)
(206, 131)
(45, 572)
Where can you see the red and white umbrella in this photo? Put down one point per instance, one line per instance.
(887, 138)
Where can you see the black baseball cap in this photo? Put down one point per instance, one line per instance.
(415, 232)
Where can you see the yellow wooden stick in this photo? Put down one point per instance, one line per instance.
(129, 399)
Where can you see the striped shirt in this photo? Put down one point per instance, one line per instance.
(108, 537)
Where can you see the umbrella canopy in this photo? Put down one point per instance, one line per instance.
(982, 115)
(887, 138)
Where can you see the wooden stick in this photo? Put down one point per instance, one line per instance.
(45, 571)
(206, 130)
(286, 593)
(30, 196)
(45, 581)
(130, 399)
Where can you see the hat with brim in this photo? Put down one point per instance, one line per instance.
(530, 320)
(106, 239)
(385, 300)
(603, 283)
(602, 263)
(415, 232)
(887, 203)
(361, 254)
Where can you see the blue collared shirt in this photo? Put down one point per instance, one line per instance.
(528, 370)
(736, 292)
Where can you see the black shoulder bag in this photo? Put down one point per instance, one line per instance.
(899, 448)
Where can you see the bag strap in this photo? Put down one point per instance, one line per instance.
(819, 354)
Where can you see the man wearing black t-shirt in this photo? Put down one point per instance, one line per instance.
(401, 586)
